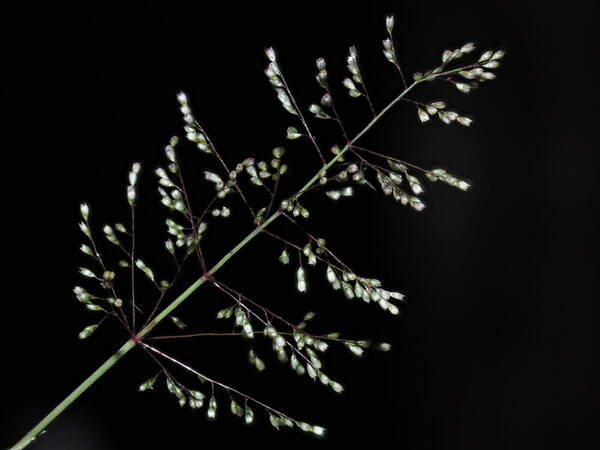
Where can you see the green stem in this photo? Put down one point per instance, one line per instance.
(30, 437)
(35, 431)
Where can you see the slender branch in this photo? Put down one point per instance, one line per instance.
(266, 310)
(368, 97)
(241, 297)
(96, 255)
(273, 195)
(224, 164)
(132, 207)
(301, 117)
(316, 240)
(212, 381)
(397, 64)
(297, 247)
(234, 333)
(164, 291)
(381, 155)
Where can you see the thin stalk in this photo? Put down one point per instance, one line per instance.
(131, 343)
(30, 437)
(213, 382)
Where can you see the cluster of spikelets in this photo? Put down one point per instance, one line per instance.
(390, 179)
(351, 167)
(465, 80)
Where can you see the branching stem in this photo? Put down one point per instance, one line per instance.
(132, 342)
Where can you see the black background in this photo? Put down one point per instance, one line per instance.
(497, 348)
